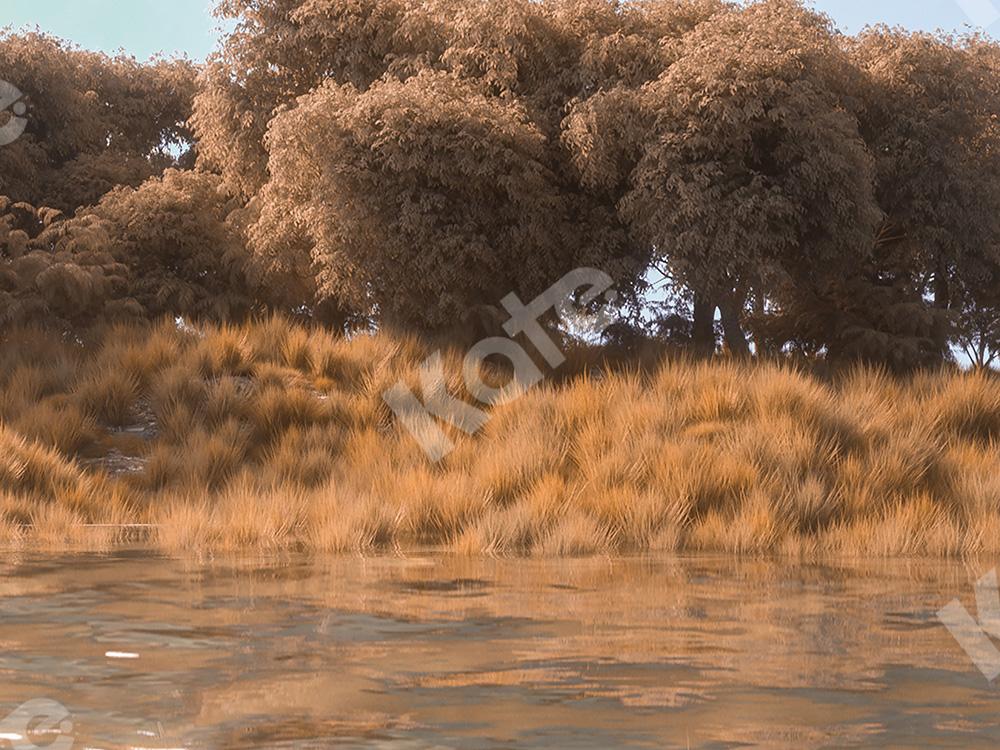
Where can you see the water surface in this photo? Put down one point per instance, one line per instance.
(439, 652)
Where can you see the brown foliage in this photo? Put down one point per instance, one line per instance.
(61, 273)
(94, 122)
(410, 164)
(163, 248)
(391, 214)
(183, 255)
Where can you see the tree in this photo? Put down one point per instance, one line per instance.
(411, 164)
(544, 54)
(931, 121)
(421, 200)
(742, 163)
(280, 50)
(183, 254)
(503, 75)
(54, 273)
(165, 248)
(873, 313)
(978, 328)
(93, 122)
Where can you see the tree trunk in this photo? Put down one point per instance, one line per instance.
(703, 333)
(732, 326)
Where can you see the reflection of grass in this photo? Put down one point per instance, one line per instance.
(275, 436)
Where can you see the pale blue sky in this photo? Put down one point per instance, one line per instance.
(145, 27)
(140, 27)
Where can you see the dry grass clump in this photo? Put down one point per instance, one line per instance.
(301, 457)
(343, 520)
(967, 408)
(243, 515)
(203, 460)
(223, 350)
(139, 353)
(48, 501)
(58, 423)
(109, 395)
(272, 435)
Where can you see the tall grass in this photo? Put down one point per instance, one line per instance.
(272, 435)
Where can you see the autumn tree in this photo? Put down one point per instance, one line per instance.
(165, 248)
(931, 122)
(280, 50)
(183, 255)
(421, 199)
(546, 54)
(445, 114)
(57, 273)
(93, 122)
(410, 164)
(742, 164)
(977, 329)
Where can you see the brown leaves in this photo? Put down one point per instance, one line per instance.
(94, 122)
(385, 191)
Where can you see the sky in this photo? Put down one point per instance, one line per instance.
(146, 27)
(139, 27)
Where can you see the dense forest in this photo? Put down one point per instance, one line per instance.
(750, 177)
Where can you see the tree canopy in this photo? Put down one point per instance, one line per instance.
(406, 163)
(93, 122)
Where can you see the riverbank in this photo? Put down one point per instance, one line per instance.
(272, 436)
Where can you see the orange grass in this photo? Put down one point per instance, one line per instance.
(275, 436)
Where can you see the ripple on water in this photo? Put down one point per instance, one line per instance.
(426, 652)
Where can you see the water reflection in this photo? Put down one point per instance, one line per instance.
(439, 652)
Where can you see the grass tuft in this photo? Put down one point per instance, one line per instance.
(275, 436)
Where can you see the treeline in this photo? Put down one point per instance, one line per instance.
(383, 162)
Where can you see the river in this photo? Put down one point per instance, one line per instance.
(429, 651)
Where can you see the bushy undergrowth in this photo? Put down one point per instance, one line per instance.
(275, 436)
